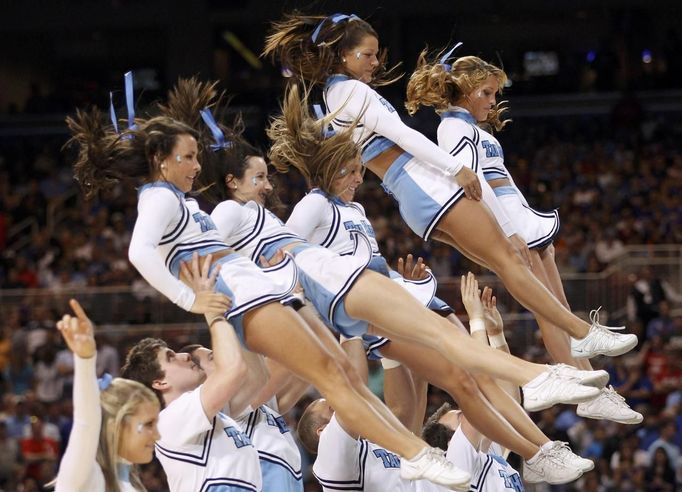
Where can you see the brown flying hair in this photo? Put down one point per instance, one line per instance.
(290, 41)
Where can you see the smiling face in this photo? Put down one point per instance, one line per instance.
(139, 433)
(361, 61)
(481, 100)
(254, 185)
(350, 177)
(181, 167)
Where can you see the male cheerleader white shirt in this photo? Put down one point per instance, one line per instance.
(202, 454)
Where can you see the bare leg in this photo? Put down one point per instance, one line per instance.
(475, 229)
(395, 314)
(432, 366)
(510, 410)
(556, 341)
(296, 347)
(556, 286)
(320, 330)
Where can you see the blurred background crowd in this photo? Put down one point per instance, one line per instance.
(596, 132)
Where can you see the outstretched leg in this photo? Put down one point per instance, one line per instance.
(278, 332)
(473, 230)
(439, 371)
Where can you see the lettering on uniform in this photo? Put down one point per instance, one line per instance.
(512, 481)
(278, 422)
(491, 149)
(389, 460)
(387, 104)
(364, 227)
(204, 221)
(240, 439)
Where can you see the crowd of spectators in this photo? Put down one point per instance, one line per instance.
(615, 186)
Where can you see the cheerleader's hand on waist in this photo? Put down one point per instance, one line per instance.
(202, 281)
(468, 180)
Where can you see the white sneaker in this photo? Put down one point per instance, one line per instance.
(552, 387)
(609, 405)
(548, 466)
(601, 340)
(598, 379)
(565, 455)
(430, 464)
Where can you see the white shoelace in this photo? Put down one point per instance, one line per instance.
(612, 395)
(594, 318)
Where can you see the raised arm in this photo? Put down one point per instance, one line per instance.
(79, 460)
(230, 369)
(494, 327)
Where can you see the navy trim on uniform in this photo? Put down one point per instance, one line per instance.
(188, 247)
(357, 484)
(548, 238)
(461, 145)
(495, 173)
(258, 301)
(483, 475)
(334, 229)
(257, 228)
(268, 241)
(182, 223)
(251, 423)
(216, 483)
(443, 210)
(352, 278)
(276, 460)
(192, 459)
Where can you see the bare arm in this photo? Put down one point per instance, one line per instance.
(400, 393)
(230, 369)
(254, 380)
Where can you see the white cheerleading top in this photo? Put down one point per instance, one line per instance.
(200, 454)
(380, 126)
(328, 221)
(251, 229)
(168, 225)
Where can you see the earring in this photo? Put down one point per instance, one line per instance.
(343, 59)
(163, 166)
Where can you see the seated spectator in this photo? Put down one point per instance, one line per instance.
(666, 442)
(37, 449)
(660, 476)
(10, 459)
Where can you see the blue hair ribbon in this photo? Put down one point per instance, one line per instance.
(218, 134)
(105, 381)
(130, 103)
(335, 19)
(320, 114)
(112, 111)
(448, 55)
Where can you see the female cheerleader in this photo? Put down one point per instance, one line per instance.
(463, 93)
(340, 54)
(161, 155)
(238, 176)
(113, 429)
